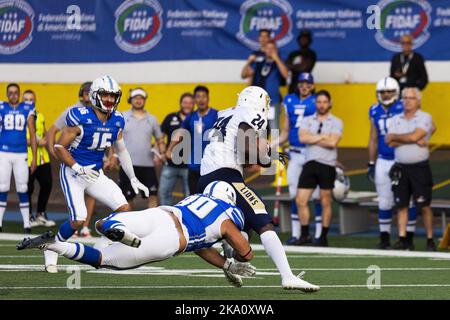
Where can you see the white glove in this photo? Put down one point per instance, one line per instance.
(234, 279)
(239, 268)
(87, 173)
(137, 185)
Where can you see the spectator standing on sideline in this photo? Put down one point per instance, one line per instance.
(321, 133)
(267, 72)
(43, 172)
(171, 172)
(197, 123)
(408, 67)
(409, 133)
(60, 123)
(140, 128)
(263, 39)
(302, 60)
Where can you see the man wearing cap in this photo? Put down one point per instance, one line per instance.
(409, 133)
(302, 60)
(296, 107)
(140, 128)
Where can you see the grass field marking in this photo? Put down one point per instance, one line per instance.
(231, 287)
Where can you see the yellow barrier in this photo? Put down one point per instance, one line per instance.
(351, 103)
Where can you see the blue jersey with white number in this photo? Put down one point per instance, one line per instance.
(13, 126)
(381, 119)
(296, 110)
(89, 146)
(203, 216)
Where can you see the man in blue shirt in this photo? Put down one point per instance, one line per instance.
(15, 117)
(196, 124)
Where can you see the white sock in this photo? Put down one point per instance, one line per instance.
(318, 224)
(295, 224)
(50, 258)
(25, 211)
(275, 250)
(2, 212)
(66, 249)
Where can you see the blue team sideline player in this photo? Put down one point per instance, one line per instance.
(296, 107)
(89, 132)
(381, 159)
(14, 119)
(155, 234)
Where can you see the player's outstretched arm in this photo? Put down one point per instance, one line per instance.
(127, 165)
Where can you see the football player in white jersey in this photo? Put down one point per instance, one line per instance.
(156, 234)
(238, 139)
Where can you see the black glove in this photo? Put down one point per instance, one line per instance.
(283, 158)
(395, 174)
(371, 172)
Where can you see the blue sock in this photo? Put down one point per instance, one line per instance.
(385, 220)
(108, 224)
(87, 255)
(3, 196)
(65, 231)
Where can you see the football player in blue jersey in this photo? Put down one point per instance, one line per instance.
(381, 159)
(155, 234)
(15, 117)
(296, 107)
(89, 131)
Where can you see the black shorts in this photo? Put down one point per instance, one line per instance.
(255, 213)
(317, 174)
(146, 175)
(414, 180)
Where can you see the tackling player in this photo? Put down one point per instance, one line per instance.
(156, 234)
(296, 107)
(15, 117)
(236, 140)
(381, 159)
(81, 146)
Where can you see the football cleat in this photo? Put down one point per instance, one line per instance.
(297, 283)
(304, 241)
(291, 241)
(119, 235)
(51, 268)
(45, 222)
(40, 242)
(431, 246)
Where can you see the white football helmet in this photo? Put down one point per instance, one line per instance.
(256, 98)
(341, 185)
(221, 190)
(102, 85)
(388, 84)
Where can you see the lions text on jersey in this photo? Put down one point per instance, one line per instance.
(222, 151)
(203, 216)
(89, 146)
(296, 110)
(13, 126)
(381, 119)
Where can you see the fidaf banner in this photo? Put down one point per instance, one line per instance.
(65, 31)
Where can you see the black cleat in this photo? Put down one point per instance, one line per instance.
(39, 242)
(431, 246)
(304, 241)
(27, 230)
(385, 242)
(321, 242)
(1, 230)
(400, 245)
(127, 238)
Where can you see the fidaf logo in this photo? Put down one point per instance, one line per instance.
(274, 15)
(401, 17)
(16, 26)
(138, 25)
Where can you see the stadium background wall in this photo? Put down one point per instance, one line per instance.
(351, 103)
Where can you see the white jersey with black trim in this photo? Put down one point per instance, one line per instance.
(222, 150)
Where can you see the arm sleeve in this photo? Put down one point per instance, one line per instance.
(124, 158)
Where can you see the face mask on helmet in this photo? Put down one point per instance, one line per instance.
(388, 91)
(107, 102)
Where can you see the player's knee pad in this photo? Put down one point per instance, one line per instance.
(4, 187)
(385, 203)
(22, 188)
